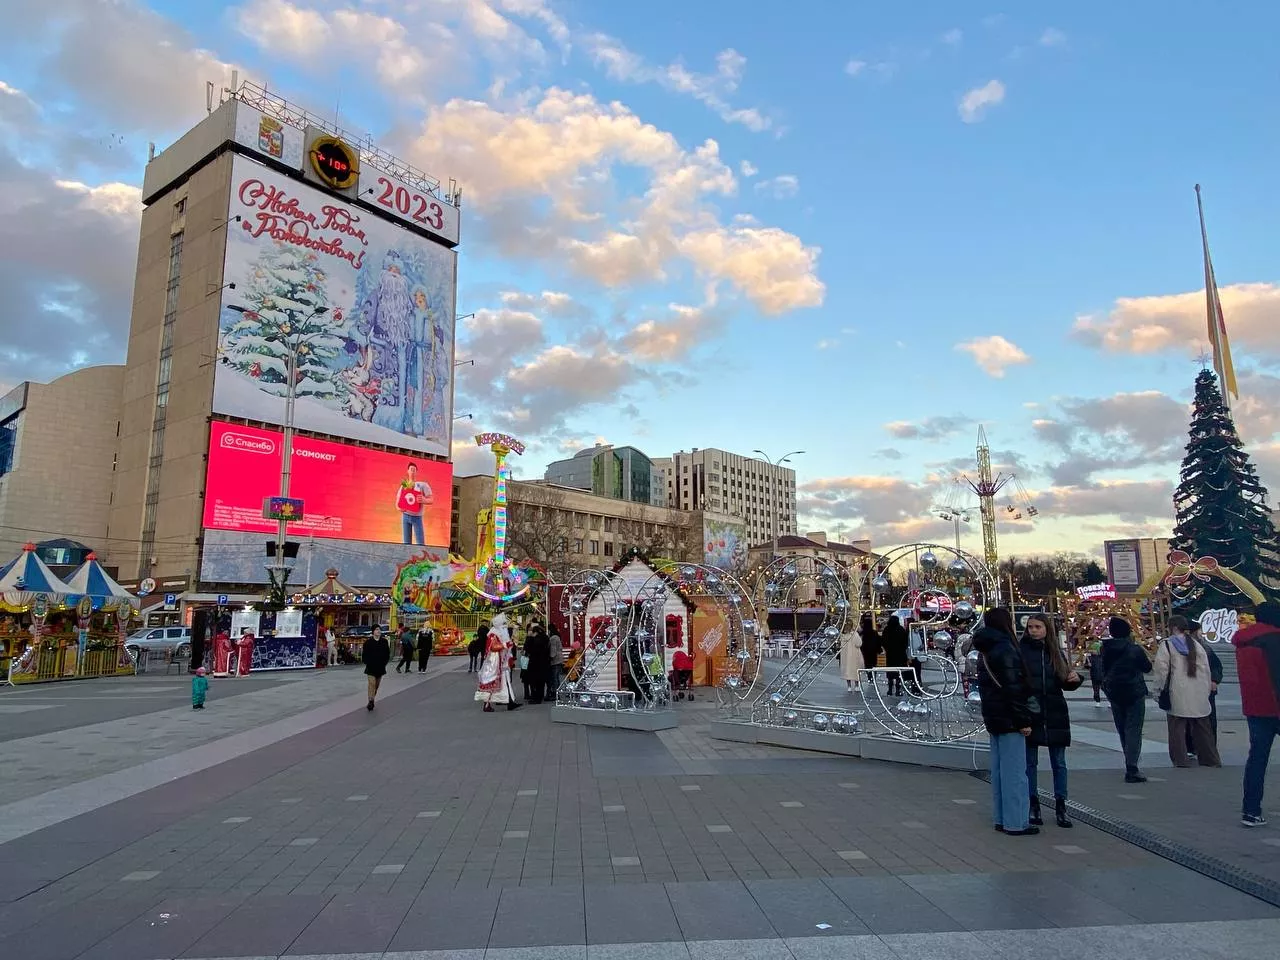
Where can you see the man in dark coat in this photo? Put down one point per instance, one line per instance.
(426, 641)
(1124, 664)
(375, 655)
(895, 642)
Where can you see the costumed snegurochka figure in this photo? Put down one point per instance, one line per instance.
(245, 661)
(390, 331)
(495, 672)
(420, 367)
(222, 654)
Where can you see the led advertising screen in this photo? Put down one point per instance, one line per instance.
(349, 493)
(363, 306)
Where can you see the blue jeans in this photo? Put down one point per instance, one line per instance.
(1010, 801)
(1057, 762)
(411, 527)
(1262, 731)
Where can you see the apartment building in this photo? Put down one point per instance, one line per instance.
(761, 495)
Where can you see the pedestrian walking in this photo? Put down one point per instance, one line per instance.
(1007, 715)
(1124, 666)
(199, 689)
(1096, 673)
(331, 646)
(1049, 676)
(406, 650)
(426, 642)
(375, 655)
(475, 649)
(1258, 663)
(895, 643)
(1182, 692)
(556, 650)
(870, 642)
(1215, 680)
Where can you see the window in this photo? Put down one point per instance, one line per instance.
(610, 524)
(180, 209)
(593, 547)
(608, 548)
(577, 545)
(8, 442)
(579, 521)
(595, 522)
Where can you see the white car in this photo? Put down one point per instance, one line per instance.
(160, 641)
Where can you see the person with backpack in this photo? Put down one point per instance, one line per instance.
(1124, 666)
(1183, 687)
(1007, 713)
(1258, 663)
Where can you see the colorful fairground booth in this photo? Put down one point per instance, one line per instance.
(52, 629)
(349, 612)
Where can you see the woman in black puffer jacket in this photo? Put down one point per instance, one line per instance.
(1007, 715)
(1048, 675)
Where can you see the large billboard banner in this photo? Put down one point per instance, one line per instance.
(349, 493)
(366, 306)
(1124, 568)
(725, 544)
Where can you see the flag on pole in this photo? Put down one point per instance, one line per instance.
(1217, 322)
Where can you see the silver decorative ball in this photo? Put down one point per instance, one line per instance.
(688, 570)
(813, 653)
(839, 723)
(942, 638)
(820, 721)
(770, 587)
(789, 718)
(832, 631)
(586, 700)
(576, 606)
(957, 567)
(880, 584)
(743, 654)
(732, 682)
(748, 626)
(963, 612)
(593, 579)
(793, 678)
(841, 604)
(775, 698)
(928, 561)
(790, 570)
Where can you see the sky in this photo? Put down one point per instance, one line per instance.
(858, 229)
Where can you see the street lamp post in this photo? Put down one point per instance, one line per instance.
(785, 458)
(295, 344)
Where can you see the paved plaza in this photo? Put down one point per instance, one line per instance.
(286, 820)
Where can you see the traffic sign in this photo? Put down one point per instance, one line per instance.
(222, 599)
(170, 599)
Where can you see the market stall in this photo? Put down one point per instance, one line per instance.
(104, 611)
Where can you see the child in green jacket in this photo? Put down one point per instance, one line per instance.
(199, 689)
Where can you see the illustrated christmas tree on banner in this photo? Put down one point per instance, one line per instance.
(1221, 505)
(283, 293)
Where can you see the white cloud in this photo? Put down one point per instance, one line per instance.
(994, 354)
(974, 103)
(674, 337)
(1178, 321)
(1053, 37)
(748, 169)
(826, 344)
(855, 68)
(533, 170)
(953, 37)
(711, 89)
(930, 428)
(782, 187)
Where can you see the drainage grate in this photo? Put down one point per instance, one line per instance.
(1250, 883)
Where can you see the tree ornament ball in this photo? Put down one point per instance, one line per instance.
(880, 584)
(928, 560)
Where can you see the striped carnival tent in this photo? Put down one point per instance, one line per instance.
(91, 581)
(27, 576)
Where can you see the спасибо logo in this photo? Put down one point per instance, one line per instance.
(248, 444)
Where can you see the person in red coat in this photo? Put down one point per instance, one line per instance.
(1258, 663)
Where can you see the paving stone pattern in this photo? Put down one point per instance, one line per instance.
(494, 833)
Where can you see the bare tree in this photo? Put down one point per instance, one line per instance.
(539, 526)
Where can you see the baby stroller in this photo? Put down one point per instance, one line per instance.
(681, 676)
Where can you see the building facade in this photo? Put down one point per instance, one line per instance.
(761, 495)
(564, 528)
(623, 473)
(57, 459)
(855, 556)
(272, 242)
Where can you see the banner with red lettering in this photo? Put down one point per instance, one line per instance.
(358, 307)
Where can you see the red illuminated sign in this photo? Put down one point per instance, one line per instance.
(351, 493)
(334, 162)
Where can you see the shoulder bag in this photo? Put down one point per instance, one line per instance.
(1165, 701)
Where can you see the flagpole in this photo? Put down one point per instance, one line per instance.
(1213, 310)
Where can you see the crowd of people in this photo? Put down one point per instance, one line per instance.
(1023, 681)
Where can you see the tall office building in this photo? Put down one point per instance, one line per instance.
(275, 246)
(761, 495)
(623, 473)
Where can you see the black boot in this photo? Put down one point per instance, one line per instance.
(1035, 819)
(1060, 807)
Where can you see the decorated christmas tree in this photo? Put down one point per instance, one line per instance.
(285, 290)
(1221, 505)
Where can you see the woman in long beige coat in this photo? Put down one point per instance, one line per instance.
(851, 659)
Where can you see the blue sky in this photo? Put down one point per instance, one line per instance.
(706, 224)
